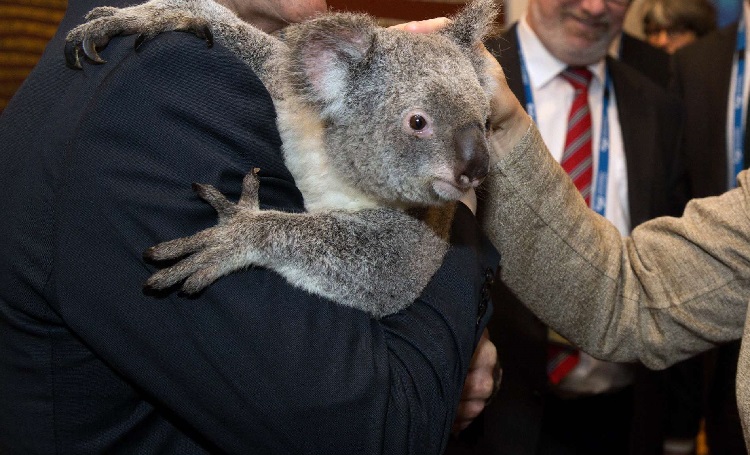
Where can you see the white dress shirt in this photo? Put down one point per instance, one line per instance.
(552, 96)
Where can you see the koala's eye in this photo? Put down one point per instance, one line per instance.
(487, 124)
(417, 122)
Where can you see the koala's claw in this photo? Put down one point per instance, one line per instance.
(203, 32)
(146, 20)
(139, 40)
(89, 48)
(207, 261)
(183, 270)
(72, 56)
(73, 52)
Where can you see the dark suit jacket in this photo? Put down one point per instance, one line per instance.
(702, 74)
(650, 61)
(650, 122)
(96, 166)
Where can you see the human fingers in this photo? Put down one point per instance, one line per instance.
(480, 379)
(480, 384)
(425, 26)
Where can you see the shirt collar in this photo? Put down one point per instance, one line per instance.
(542, 66)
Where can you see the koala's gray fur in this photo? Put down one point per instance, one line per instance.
(346, 93)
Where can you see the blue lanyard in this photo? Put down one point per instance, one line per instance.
(738, 127)
(599, 199)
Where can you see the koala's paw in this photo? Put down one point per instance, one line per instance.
(146, 20)
(211, 253)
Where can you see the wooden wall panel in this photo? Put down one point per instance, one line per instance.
(25, 28)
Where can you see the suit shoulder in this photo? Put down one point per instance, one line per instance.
(178, 97)
(647, 59)
(720, 41)
(628, 78)
(178, 72)
(183, 57)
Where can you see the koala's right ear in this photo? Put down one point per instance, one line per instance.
(473, 23)
(324, 52)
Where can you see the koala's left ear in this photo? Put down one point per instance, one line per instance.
(473, 23)
(325, 51)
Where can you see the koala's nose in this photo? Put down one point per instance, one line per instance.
(472, 155)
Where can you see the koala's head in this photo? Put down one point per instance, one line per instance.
(405, 114)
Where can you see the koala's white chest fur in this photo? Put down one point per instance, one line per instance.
(302, 131)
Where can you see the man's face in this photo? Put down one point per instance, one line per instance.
(298, 10)
(271, 15)
(577, 32)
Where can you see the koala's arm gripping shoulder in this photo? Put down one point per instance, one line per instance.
(205, 18)
(376, 260)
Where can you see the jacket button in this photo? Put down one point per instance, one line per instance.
(489, 280)
(489, 276)
(481, 310)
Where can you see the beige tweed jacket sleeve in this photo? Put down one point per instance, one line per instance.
(676, 287)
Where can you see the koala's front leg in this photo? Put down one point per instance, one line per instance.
(375, 260)
(205, 18)
(148, 20)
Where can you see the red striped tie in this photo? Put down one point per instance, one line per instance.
(577, 162)
(577, 158)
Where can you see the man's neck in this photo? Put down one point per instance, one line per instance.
(260, 14)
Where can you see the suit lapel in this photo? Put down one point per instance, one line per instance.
(703, 74)
(717, 80)
(505, 49)
(638, 123)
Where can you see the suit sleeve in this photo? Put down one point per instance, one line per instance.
(676, 287)
(252, 364)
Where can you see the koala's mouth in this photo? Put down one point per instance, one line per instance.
(449, 190)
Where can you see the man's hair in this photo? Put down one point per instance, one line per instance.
(697, 16)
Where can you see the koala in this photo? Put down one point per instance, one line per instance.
(382, 130)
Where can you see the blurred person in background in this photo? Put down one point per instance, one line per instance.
(671, 24)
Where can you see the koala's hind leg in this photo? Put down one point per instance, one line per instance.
(376, 260)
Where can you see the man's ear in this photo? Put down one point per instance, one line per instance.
(473, 23)
(326, 51)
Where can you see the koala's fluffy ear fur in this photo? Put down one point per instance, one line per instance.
(324, 51)
(473, 23)
(468, 28)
